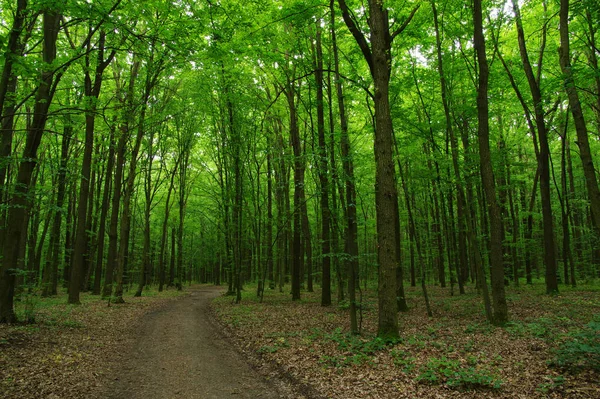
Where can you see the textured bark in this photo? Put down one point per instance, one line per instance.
(8, 86)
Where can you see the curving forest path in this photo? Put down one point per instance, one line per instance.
(181, 353)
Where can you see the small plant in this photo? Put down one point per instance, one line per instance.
(581, 351)
(279, 343)
(403, 360)
(268, 349)
(357, 350)
(451, 373)
(556, 383)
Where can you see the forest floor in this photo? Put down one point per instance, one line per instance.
(69, 351)
(454, 354)
(199, 344)
(157, 346)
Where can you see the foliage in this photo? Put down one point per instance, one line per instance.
(356, 349)
(451, 373)
(581, 349)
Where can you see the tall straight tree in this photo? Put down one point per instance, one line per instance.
(460, 194)
(297, 249)
(323, 179)
(104, 212)
(16, 230)
(589, 171)
(500, 309)
(377, 51)
(92, 92)
(544, 153)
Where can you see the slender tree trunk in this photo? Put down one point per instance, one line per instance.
(16, 230)
(145, 270)
(543, 159)
(50, 277)
(324, 181)
(460, 195)
(269, 227)
(351, 237)
(113, 232)
(487, 174)
(297, 249)
(104, 212)
(585, 153)
(165, 234)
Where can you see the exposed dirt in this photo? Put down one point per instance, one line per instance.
(180, 353)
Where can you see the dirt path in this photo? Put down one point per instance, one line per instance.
(180, 353)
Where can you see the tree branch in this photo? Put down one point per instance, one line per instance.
(358, 35)
(405, 24)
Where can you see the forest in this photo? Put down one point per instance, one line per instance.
(376, 158)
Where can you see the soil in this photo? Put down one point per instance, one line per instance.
(180, 352)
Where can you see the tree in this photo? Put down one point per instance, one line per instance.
(500, 308)
(16, 229)
(378, 56)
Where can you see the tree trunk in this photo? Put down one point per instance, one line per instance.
(16, 230)
(379, 58)
(297, 250)
(585, 153)
(324, 181)
(543, 159)
(104, 213)
(487, 174)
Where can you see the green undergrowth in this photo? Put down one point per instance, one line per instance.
(453, 374)
(456, 349)
(353, 349)
(33, 309)
(580, 349)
